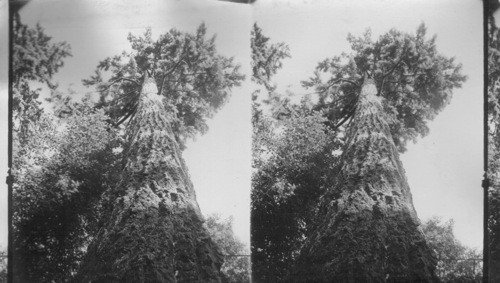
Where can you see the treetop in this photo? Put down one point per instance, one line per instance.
(413, 77)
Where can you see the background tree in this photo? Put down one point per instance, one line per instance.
(266, 58)
(57, 164)
(236, 267)
(456, 262)
(494, 142)
(35, 59)
(153, 230)
(291, 172)
(70, 164)
(290, 161)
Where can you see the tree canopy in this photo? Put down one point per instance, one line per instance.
(415, 80)
(191, 76)
(266, 57)
(35, 58)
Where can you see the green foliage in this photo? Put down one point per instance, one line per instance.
(415, 80)
(266, 58)
(236, 267)
(3, 265)
(59, 182)
(291, 159)
(194, 80)
(291, 172)
(35, 58)
(58, 165)
(456, 263)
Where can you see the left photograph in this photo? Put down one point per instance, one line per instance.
(131, 141)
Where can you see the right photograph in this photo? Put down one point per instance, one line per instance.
(368, 141)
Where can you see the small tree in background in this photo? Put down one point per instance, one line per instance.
(456, 262)
(57, 173)
(236, 267)
(291, 160)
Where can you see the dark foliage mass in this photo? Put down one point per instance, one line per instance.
(58, 173)
(286, 186)
(57, 191)
(290, 167)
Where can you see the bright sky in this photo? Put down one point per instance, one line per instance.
(444, 169)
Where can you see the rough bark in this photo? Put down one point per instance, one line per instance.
(367, 229)
(155, 232)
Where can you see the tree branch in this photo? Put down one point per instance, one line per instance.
(346, 117)
(122, 79)
(392, 70)
(129, 114)
(317, 107)
(332, 84)
(122, 96)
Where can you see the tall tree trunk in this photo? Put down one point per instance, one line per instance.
(155, 231)
(367, 229)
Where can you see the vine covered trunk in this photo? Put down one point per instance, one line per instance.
(367, 229)
(155, 230)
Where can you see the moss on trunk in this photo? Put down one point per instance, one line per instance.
(155, 231)
(367, 229)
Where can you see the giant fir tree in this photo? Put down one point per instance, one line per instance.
(384, 93)
(373, 101)
(153, 230)
(369, 229)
